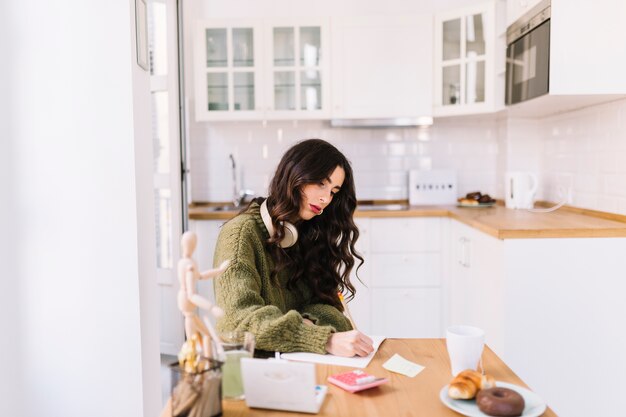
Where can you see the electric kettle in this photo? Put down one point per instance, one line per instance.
(520, 189)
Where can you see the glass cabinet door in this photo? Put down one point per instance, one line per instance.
(310, 78)
(216, 62)
(475, 55)
(462, 60)
(296, 68)
(451, 39)
(230, 69)
(451, 84)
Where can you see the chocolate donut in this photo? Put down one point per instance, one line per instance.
(501, 402)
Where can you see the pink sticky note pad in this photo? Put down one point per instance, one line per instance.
(356, 380)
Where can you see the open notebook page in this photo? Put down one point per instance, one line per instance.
(355, 361)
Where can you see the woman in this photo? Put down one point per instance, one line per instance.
(291, 254)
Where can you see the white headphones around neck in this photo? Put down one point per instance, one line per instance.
(291, 233)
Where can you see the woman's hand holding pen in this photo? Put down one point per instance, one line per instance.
(349, 344)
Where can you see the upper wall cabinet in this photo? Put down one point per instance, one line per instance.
(252, 70)
(297, 73)
(228, 70)
(579, 58)
(382, 66)
(517, 8)
(470, 60)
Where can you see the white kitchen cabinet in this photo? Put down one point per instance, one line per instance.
(228, 68)
(475, 282)
(587, 60)
(548, 306)
(406, 268)
(382, 66)
(470, 60)
(297, 85)
(406, 312)
(261, 69)
(517, 8)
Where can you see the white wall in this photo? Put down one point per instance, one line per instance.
(583, 149)
(82, 213)
(587, 148)
(9, 325)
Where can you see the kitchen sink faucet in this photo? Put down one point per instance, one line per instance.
(239, 196)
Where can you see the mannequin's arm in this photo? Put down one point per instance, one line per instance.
(197, 299)
(212, 273)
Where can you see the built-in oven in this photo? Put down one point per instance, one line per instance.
(528, 55)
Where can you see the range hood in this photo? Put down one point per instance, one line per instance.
(388, 122)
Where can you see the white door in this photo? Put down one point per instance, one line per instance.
(167, 173)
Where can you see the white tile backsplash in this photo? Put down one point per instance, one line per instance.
(584, 148)
(380, 158)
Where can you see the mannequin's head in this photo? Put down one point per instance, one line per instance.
(188, 244)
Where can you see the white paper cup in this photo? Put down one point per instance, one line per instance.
(465, 346)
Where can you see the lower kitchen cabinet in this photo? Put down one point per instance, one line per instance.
(475, 282)
(406, 312)
(401, 291)
(551, 308)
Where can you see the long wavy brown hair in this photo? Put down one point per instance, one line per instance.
(324, 255)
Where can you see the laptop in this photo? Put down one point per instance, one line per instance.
(281, 385)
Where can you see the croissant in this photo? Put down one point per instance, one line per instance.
(466, 384)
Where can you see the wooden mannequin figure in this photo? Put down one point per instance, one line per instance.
(188, 298)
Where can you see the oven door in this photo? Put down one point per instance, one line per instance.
(528, 65)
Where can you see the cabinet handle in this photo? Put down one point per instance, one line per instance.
(464, 256)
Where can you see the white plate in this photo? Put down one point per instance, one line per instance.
(534, 405)
(479, 205)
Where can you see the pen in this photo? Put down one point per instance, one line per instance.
(346, 310)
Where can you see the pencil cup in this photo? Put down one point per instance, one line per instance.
(465, 347)
(197, 393)
(237, 345)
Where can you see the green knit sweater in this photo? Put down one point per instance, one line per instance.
(251, 301)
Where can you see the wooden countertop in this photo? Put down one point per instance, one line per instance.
(497, 221)
(402, 396)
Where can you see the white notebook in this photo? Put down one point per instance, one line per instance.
(355, 361)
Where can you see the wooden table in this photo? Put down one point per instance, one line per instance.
(402, 396)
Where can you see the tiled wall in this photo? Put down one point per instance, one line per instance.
(582, 150)
(381, 158)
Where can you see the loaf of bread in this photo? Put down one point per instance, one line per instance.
(467, 383)
(468, 201)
